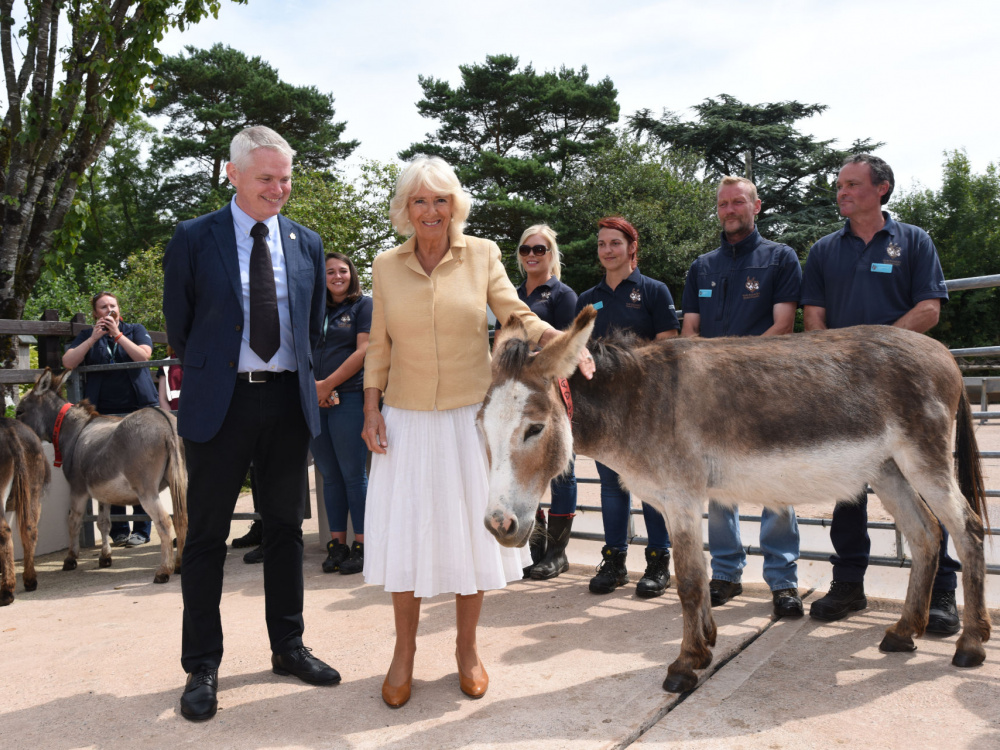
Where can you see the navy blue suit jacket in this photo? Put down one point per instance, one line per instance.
(203, 306)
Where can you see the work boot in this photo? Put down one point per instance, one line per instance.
(944, 614)
(722, 591)
(611, 573)
(256, 555)
(787, 603)
(252, 538)
(537, 542)
(843, 598)
(336, 553)
(555, 561)
(656, 579)
(356, 562)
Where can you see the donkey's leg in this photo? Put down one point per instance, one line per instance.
(74, 519)
(104, 525)
(7, 575)
(161, 519)
(28, 528)
(945, 500)
(692, 587)
(921, 530)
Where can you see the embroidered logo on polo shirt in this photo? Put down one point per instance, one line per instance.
(546, 294)
(344, 320)
(893, 250)
(752, 284)
(635, 296)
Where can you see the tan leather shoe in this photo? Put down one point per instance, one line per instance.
(472, 686)
(398, 695)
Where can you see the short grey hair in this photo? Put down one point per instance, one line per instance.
(435, 174)
(555, 267)
(249, 140)
(880, 170)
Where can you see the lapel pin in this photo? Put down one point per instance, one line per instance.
(291, 235)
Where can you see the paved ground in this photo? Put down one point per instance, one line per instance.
(91, 660)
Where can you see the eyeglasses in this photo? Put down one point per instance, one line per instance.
(526, 250)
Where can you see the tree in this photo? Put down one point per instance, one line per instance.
(963, 219)
(795, 174)
(209, 96)
(658, 190)
(513, 134)
(62, 104)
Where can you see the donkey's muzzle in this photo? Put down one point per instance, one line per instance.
(506, 529)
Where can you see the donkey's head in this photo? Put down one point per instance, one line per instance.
(39, 407)
(523, 419)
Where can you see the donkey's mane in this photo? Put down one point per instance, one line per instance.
(616, 351)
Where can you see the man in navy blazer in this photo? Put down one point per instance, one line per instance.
(236, 408)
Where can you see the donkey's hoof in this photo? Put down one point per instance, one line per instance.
(893, 643)
(30, 585)
(69, 563)
(104, 562)
(161, 578)
(969, 658)
(679, 683)
(6, 597)
(177, 569)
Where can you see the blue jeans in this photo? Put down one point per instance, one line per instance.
(340, 456)
(616, 504)
(852, 545)
(143, 528)
(563, 490)
(779, 540)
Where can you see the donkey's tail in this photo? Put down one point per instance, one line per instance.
(177, 480)
(13, 475)
(968, 461)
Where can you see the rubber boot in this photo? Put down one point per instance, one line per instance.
(555, 561)
(611, 573)
(537, 542)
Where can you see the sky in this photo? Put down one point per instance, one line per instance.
(921, 76)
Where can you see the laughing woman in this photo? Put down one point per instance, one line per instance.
(339, 451)
(429, 358)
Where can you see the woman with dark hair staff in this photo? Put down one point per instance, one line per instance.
(118, 392)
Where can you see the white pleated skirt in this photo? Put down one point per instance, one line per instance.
(424, 511)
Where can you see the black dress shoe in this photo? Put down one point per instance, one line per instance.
(198, 703)
(305, 666)
(843, 598)
(943, 618)
(787, 603)
(722, 591)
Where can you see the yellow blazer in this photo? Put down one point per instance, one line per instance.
(429, 342)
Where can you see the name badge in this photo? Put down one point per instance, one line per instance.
(704, 292)
(598, 305)
(881, 268)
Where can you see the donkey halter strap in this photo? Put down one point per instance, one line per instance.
(57, 462)
(567, 397)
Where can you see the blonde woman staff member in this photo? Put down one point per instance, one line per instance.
(429, 358)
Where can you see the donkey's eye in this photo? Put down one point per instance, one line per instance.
(533, 430)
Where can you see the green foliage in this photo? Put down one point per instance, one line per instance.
(963, 219)
(656, 189)
(794, 173)
(209, 96)
(513, 135)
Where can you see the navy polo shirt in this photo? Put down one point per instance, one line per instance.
(553, 302)
(123, 391)
(639, 304)
(339, 340)
(873, 284)
(734, 288)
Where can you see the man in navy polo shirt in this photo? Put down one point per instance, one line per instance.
(873, 271)
(748, 286)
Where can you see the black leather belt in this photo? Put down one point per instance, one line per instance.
(263, 376)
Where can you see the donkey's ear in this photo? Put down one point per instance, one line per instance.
(559, 357)
(44, 381)
(57, 382)
(512, 330)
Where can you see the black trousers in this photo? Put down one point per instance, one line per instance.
(264, 425)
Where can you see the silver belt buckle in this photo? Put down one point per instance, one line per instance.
(251, 374)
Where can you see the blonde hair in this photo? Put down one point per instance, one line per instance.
(730, 180)
(435, 174)
(555, 267)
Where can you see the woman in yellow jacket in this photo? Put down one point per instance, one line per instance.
(429, 360)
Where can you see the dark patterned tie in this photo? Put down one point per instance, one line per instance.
(265, 336)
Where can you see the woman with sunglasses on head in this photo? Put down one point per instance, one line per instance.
(555, 303)
(629, 302)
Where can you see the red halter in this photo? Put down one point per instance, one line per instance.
(55, 433)
(567, 397)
